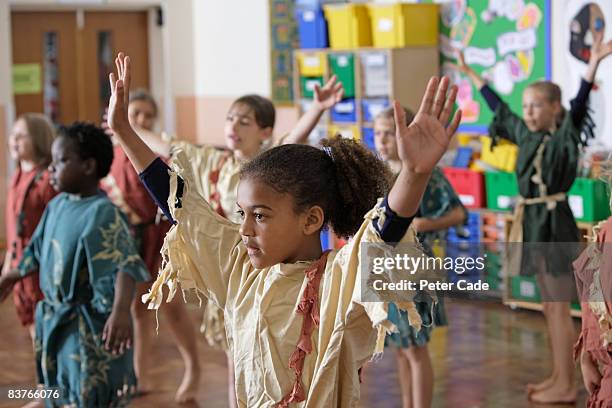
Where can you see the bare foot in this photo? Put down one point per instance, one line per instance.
(531, 388)
(189, 386)
(555, 394)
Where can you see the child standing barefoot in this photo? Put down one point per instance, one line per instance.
(126, 191)
(440, 208)
(88, 266)
(297, 330)
(549, 141)
(248, 129)
(30, 191)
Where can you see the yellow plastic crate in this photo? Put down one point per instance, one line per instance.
(404, 25)
(347, 131)
(503, 156)
(311, 64)
(349, 25)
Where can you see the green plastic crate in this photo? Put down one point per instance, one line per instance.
(307, 85)
(494, 282)
(525, 288)
(502, 190)
(343, 66)
(589, 200)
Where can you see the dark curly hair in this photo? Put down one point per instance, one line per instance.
(345, 179)
(90, 141)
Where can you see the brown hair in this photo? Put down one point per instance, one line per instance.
(42, 133)
(265, 114)
(388, 114)
(143, 95)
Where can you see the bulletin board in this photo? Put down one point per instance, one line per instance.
(283, 40)
(507, 42)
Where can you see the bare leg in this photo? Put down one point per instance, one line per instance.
(531, 388)
(144, 324)
(185, 337)
(562, 337)
(404, 377)
(422, 375)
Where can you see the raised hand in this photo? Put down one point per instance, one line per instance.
(119, 100)
(422, 143)
(329, 95)
(599, 49)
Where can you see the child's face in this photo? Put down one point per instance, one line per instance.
(384, 138)
(271, 230)
(141, 114)
(20, 142)
(68, 171)
(242, 131)
(539, 113)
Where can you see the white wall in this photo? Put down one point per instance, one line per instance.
(232, 47)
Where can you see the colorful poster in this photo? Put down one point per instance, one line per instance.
(283, 40)
(505, 41)
(583, 21)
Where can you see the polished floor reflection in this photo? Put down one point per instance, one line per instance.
(483, 359)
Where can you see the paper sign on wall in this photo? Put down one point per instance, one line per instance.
(27, 79)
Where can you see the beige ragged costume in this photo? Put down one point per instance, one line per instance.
(298, 332)
(216, 179)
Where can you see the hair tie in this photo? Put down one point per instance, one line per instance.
(328, 151)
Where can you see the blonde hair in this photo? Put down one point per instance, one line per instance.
(42, 134)
(549, 89)
(389, 114)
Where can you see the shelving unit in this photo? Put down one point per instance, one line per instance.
(375, 76)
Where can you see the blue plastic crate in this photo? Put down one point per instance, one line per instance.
(344, 111)
(372, 107)
(463, 157)
(326, 242)
(367, 137)
(312, 28)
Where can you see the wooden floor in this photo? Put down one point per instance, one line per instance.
(483, 359)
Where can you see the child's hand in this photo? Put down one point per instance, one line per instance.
(590, 373)
(117, 333)
(119, 100)
(422, 143)
(329, 95)
(599, 49)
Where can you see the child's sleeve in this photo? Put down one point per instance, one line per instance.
(110, 249)
(30, 261)
(506, 124)
(202, 249)
(579, 109)
(439, 197)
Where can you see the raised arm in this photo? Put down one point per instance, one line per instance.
(421, 144)
(136, 149)
(324, 98)
(578, 105)
(493, 100)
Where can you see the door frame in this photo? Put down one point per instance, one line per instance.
(160, 86)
